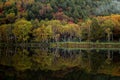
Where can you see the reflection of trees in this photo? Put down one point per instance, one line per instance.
(97, 60)
(109, 57)
(86, 61)
(42, 59)
(21, 60)
(59, 59)
(93, 60)
(109, 66)
(55, 60)
(5, 56)
(100, 62)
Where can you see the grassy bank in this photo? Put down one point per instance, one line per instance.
(86, 45)
(32, 45)
(70, 45)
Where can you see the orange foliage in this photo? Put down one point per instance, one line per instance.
(115, 18)
(1, 7)
(8, 3)
(62, 17)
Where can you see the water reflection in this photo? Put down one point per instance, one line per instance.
(67, 64)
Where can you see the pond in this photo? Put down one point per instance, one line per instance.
(59, 64)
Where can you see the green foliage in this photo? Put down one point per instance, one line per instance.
(43, 34)
(99, 28)
(85, 29)
(39, 10)
(9, 8)
(108, 28)
(6, 33)
(96, 30)
(21, 30)
(10, 17)
(71, 32)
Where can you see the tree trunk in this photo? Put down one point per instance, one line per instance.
(108, 37)
(112, 36)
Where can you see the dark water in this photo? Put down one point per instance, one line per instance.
(59, 64)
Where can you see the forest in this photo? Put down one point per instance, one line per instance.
(59, 39)
(59, 21)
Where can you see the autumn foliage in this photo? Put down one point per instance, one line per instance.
(56, 20)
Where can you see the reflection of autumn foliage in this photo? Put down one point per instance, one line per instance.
(21, 60)
(53, 61)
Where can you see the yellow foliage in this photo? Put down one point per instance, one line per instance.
(43, 33)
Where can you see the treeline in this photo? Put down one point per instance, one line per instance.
(100, 28)
(56, 20)
(68, 10)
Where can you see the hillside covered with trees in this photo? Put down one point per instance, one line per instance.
(59, 20)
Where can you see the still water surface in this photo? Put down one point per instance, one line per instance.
(59, 64)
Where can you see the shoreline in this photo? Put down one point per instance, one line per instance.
(87, 45)
(69, 45)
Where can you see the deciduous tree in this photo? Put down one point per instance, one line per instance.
(21, 30)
